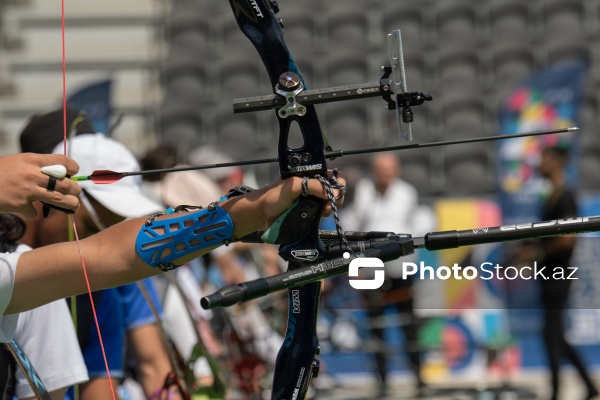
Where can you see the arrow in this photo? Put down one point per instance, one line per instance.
(107, 176)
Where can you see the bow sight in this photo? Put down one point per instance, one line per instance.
(290, 96)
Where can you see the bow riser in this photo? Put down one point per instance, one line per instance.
(296, 362)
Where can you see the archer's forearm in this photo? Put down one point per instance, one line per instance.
(54, 272)
(111, 259)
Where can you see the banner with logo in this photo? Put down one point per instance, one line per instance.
(549, 99)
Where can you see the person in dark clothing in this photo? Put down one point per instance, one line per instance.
(399, 294)
(557, 252)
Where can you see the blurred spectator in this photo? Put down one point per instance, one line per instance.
(384, 202)
(556, 255)
(246, 335)
(160, 157)
(45, 334)
(227, 177)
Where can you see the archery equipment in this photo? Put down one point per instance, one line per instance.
(39, 389)
(160, 242)
(390, 246)
(107, 176)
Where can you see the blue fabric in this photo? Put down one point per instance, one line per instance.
(136, 311)
(110, 315)
(119, 311)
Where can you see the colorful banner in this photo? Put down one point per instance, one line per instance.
(549, 99)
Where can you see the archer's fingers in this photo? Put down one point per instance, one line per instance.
(58, 199)
(41, 179)
(315, 187)
(339, 175)
(53, 187)
(338, 180)
(64, 186)
(327, 210)
(67, 187)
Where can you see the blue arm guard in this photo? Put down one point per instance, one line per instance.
(160, 242)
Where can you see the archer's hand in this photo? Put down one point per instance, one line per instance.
(24, 183)
(257, 210)
(282, 194)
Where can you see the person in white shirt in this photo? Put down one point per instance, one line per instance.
(384, 202)
(45, 334)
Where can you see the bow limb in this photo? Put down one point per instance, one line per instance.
(21, 359)
(296, 362)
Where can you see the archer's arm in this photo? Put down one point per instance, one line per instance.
(52, 272)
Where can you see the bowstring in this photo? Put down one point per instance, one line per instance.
(70, 216)
(329, 185)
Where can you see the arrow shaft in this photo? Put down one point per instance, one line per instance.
(331, 154)
(448, 142)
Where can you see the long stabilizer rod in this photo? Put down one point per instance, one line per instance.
(398, 246)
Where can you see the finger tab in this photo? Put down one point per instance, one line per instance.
(58, 171)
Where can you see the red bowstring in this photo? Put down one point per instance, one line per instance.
(87, 282)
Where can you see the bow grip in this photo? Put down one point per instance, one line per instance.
(290, 226)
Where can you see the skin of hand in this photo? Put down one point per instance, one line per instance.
(230, 268)
(151, 357)
(97, 389)
(24, 183)
(54, 272)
